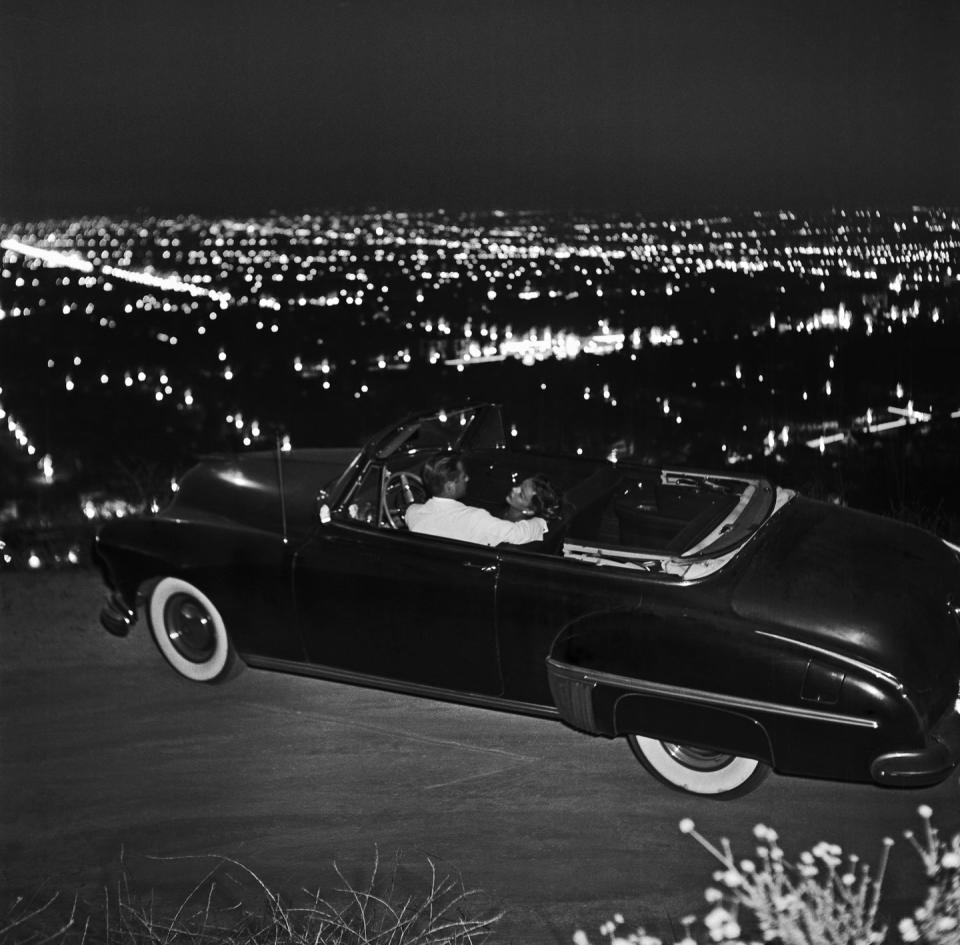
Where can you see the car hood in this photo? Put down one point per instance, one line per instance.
(858, 585)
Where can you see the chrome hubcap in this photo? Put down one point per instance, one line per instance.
(698, 759)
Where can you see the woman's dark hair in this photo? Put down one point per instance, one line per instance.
(545, 501)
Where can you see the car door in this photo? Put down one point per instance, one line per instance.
(538, 595)
(410, 608)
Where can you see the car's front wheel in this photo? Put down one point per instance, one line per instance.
(698, 770)
(189, 631)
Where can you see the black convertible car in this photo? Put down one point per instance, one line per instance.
(723, 625)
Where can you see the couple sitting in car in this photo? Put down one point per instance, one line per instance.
(529, 506)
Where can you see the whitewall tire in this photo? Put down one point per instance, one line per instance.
(189, 631)
(698, 771)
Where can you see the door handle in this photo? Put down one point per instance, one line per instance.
(486, 568)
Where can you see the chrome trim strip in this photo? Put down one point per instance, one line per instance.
(596, 550)
(714, 699)
(393, 685)
(648, 563)
(669, 474)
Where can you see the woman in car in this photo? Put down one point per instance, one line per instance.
(534, 497)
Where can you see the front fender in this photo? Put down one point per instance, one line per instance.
(128, 553)
(246, 572)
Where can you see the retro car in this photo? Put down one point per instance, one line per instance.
(723, 625)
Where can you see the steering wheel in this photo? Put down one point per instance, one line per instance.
(401, 490)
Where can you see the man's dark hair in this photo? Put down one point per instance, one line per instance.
(440, 470)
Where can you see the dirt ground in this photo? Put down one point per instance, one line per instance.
(104, 749)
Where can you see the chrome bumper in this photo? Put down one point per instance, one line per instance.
(116, 617)
(930, 765)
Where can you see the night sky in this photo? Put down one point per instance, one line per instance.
(248, 106)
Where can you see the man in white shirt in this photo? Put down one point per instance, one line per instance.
(444, 516)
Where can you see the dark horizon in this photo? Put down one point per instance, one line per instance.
(639, 107)
(12, 221)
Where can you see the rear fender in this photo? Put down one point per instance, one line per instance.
(695, 725)
(609, 676)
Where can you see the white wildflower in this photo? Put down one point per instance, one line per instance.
(618, 918)
(786, 903)
(946, 923)
(712, 894)
(746, 866)
(848, 879)
(686, 825)
(925, 811)
(828, 852)
(908, 930)
(950, 861)
(580, 938)
(765, 833)
(731, 930)
(717, 917)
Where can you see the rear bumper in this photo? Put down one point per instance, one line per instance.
(116, 616)
(930, 765)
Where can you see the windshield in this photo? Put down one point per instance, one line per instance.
(478, 426)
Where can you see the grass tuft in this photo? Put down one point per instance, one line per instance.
(371, 913)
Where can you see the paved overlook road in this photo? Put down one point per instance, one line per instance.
(104, 748)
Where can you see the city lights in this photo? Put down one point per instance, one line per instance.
(623, 315)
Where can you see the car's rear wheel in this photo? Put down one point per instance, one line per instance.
(189, 632)
(698, 770)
